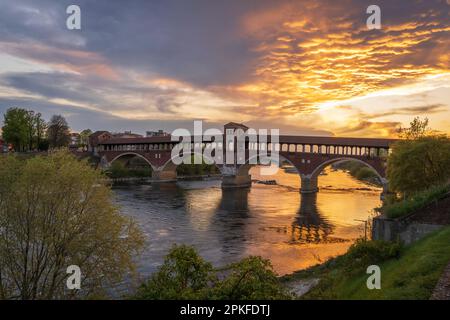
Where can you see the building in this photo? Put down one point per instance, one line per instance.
(96, 138)
(230, 127)
(75, 140)
(126, 135)
(4, 146)
(159, 133)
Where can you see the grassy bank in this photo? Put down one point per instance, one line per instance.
(119, 170)
(414, 202)
(406, 272)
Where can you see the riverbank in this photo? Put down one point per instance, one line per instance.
(359, 171)
(410, 272)
(204, 177)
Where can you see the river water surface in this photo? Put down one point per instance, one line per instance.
(273, 221)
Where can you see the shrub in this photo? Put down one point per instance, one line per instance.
(57, 211)
(364, 253)
(184, 275)
(252, 278)
(118, 170)
(417, 165)
(414, 202)
(365, 174)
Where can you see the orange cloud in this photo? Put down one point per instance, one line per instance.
(314, 55)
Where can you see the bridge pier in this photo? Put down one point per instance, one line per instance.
(308, 184)
(164, 175)
(236, 181)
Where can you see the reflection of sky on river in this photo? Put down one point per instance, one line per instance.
(268, 220)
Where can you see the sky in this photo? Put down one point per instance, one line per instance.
(305, 67)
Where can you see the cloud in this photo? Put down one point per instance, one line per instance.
(413, 111)
(283, 61)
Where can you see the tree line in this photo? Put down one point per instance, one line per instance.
(26, 130)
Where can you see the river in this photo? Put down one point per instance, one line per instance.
(272, 221)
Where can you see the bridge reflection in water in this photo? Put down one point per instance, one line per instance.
(309, 226)
(272, 221)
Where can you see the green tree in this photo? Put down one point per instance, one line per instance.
(40, 129)
(416, 165)
(84, 137)
(252, 278)
(25, 129)
(35, 129)
(58, 132)
(16, 128)
(418, 128)
(56, 211)
(184, 275)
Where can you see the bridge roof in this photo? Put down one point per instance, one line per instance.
(317, 140)
(339, 141)
(156, 139)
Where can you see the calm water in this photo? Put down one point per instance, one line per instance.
(273, 221)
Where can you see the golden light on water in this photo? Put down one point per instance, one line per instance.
(277, 223)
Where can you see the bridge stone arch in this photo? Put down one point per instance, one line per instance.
(308, 154)
(379, 171)
(245, 168)
(309, 171)
(242, 172)
(310, 180)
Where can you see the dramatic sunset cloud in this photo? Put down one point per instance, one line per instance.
(307, 67)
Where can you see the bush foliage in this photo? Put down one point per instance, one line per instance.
(417, 165)
(185, 275)
(56, 211)
(414, 202)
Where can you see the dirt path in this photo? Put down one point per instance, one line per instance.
(442, 289)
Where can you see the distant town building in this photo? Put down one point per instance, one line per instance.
(96, 138)
(126, 135)
(230, 127)
(75, 140)
(159, 133)
(4, 146)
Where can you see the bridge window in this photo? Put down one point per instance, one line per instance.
(277, 147)
(292, 148)
(315, 149)
(307, 148)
